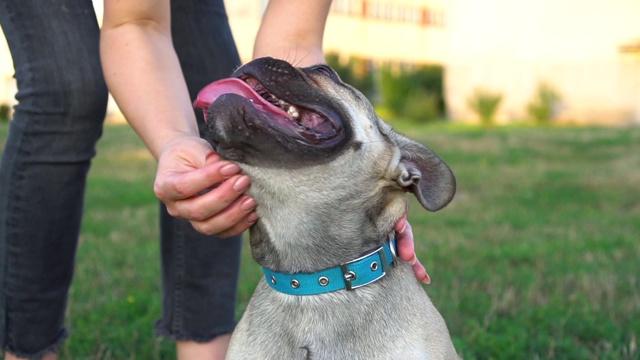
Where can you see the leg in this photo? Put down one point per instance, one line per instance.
(200, 273)
(62, 102)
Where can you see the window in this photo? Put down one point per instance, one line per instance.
(389, 10)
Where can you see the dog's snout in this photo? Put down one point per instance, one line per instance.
(274, 71)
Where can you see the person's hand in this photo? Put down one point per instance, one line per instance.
(197, 186)
(406, 249)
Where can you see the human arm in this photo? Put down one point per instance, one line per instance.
(143, 74)
(293, 31)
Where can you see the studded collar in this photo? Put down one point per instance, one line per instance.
(351, 275)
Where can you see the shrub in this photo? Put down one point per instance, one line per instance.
(485, 104)
(415, 93)
(5, 113)
(421, 106)
(544, 105)
(357, 72)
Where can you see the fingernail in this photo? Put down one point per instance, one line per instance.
(229, 169)
(242, 183)
(211, 158)
(253, 217)
(248, 204)
(427, 280)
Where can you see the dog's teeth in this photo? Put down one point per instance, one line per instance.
(292, 111)
(282, 103)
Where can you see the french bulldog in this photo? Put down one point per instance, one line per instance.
(331, 180)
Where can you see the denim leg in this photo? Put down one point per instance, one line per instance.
(199, 273)
(62, 101)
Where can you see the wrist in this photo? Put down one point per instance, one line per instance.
(298, 54)
(185, 142)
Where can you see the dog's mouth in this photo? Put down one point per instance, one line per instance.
(313, 125)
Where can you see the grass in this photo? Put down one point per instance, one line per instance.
(536, 258)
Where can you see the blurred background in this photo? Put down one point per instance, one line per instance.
(580, 57)
(534, 104)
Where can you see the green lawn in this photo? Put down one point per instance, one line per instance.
(536, 257)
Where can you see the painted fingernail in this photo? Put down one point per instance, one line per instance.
(229, 169)
(248, 204)
(242, 183)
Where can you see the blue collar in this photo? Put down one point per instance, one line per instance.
(351, 275)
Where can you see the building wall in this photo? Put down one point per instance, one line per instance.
(406, 31)
(510, 46)
(244, 18)
(501, 45)
(409, 31)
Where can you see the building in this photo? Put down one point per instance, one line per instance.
(589, 50)
(583, 48)
(408, 31)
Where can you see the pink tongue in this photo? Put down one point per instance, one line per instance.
(211, 92)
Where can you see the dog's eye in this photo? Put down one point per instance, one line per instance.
(324, 69)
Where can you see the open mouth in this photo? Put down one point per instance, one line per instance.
(312, 125)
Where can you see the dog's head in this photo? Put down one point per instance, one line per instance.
(311, 142)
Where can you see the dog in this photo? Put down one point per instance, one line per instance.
(330, 178)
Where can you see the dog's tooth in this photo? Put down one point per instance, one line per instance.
(282, 103)
(293, 112)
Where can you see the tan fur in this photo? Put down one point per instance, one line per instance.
(315, 215)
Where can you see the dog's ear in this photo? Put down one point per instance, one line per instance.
(423, 173)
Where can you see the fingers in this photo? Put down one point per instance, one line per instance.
(205, 204)
(406, 249)
(223, 210)
(404, 241)
(233, 220)
(174, 185)
(197, 186)
(421, 273)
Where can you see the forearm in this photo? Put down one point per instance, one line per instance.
(145, 78)
(293, 30)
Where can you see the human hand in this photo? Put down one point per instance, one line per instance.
(197, 186)
(406, 249)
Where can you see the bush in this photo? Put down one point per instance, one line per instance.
(415, 93)
(357, 72)
(485, 104)
(421, 106)
(544, 106)
(5, 113)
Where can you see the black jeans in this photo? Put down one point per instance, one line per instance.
(62, 101)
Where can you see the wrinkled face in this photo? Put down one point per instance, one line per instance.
(272, 116)
(275, 115)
